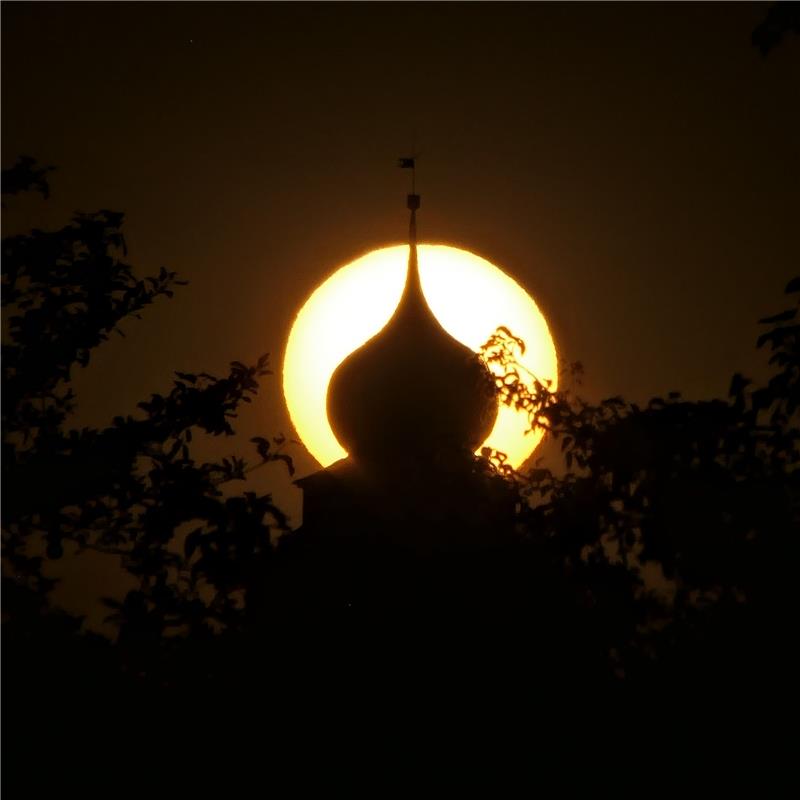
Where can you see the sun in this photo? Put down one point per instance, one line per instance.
(470, 297)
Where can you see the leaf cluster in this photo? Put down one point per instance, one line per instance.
(672, 516)
(132, 490)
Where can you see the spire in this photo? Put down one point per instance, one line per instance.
(413, 204)
(413, 281)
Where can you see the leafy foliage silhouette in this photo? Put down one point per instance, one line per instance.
(781, 18)
(125, 490)
(703, 495)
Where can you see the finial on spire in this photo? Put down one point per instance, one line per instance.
(412, 391)
(413, 201)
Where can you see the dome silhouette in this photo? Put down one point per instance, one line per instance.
(412, 391)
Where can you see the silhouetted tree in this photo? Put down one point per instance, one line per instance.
(131, 488)
(653, 568)
(674, 521)
(781, 18)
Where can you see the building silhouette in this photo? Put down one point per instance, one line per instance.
(410, 406)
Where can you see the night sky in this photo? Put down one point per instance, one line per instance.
(634, 166)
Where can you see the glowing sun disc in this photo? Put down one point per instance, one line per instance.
(470, 297)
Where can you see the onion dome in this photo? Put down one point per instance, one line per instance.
(412, 391)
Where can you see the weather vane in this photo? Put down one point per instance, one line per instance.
(410, 162)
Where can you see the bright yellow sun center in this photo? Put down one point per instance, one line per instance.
(469, 296)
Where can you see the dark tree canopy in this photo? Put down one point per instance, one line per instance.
(652, 571)
(128, 489)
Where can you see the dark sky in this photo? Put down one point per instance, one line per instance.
(634, 166)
